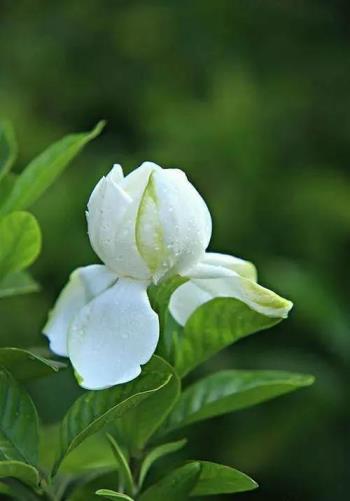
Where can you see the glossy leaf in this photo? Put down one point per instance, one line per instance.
(212, 327)
(20, 471)
(107, 493)
(18, 283)
(8, 147)
(135, 432)
(219, 479)
(93, 456)
(125, 476)
(44, 169)
(25, 365)
(198, 478)
(157, 453)
(229, 391)
(94, 409)
(159, 297)
(19, 437)
(20, 242)
(175, 486)
(167, 343)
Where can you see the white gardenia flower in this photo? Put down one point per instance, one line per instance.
(144, 227)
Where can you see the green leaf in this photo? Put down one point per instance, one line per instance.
(219, 479)
(159, 296)
(198, 478)
(18, 283)
(229, 391)
(135, 432)
(212, 327)
(107, 493)
(94, 409)
(8, 147)
(21, 471)
(169, 336)
(6, 186)
(20, 242)
(20, 491)
(25, 365)
(175, 486)
(44, 169)
(19, 437)
(93, 456)
(125, 476)
(157, 453)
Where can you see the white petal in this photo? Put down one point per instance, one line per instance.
(185, 300)
(148, 230)
(189, 296)
(107, 206)
(111, 220)
(174, 224)
(184, 216)
(215, 265)
(135, 182)
(113, 335)
(84, 284)
(116, 174)
(96, 278)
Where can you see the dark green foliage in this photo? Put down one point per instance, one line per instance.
(18, 423)
(252, 100)
(93, 410)
(26, 365)
(229, 391)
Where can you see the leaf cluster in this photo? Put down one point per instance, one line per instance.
(109, 441)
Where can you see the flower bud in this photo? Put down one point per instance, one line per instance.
(149, 224)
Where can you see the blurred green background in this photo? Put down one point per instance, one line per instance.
(252, 100)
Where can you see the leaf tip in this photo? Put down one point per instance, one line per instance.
(309, 379)
(96, 131)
